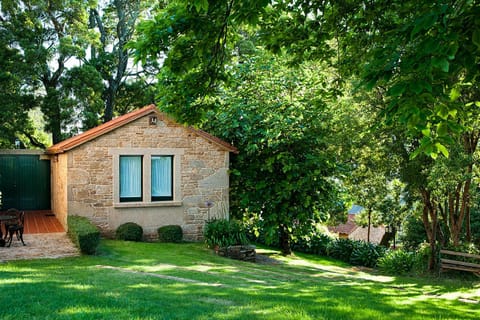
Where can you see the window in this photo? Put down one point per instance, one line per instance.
(130, 178)
(147, 177)
(162, 178)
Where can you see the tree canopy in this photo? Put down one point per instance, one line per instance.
(72, 59)
(278, 119)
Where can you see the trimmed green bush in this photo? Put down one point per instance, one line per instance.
(171, 233)
(224, 233)
(83, 233)
(129, 231)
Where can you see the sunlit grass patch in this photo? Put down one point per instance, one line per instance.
(187, 281)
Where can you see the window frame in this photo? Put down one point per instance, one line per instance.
(131, 199)
(147, 154)
(172, 173)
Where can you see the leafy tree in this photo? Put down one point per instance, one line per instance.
(278, 119)
(47, 34)
(74, 62)
(194, 40)
(16, 102)
(83, 88)
(372, 164)
(124, 86)
(420, 57)
(413, 233)
(424, 57)
(419, 53)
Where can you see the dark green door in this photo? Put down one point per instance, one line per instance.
(24, 182)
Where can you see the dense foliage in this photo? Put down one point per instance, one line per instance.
(358, 253)
(83, 233)
(224, 233)
(170, 233)
(421, 59)
(413, 233)
(194, 41)
(68, 59)
(316, 243)
(283, 175)
(398, 262)
(129, 231)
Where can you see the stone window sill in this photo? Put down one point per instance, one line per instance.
(121, 205)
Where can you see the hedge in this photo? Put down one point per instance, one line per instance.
(170, 233)
(129, 231)
(83, 233)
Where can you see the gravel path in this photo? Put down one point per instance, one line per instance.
(39, 246)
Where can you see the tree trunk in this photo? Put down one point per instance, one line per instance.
(470, 143)
(51, 105)
(127, 13)
(285, 240)
(443, 237)
(465, 210)
(430, 222)
(468, 226)
(52, 111)
(109, 103)
(369, 224)
(459, 204)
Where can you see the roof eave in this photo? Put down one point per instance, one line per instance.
(91, 134)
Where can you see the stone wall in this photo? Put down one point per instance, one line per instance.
(59, 175)
(244, 253)
(200, 176)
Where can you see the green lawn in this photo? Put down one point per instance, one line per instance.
(166, 281)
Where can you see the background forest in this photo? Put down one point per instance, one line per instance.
(331, 103)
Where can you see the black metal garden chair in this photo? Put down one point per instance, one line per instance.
(16, 227)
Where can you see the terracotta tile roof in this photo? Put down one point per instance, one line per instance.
(356, 232)
(93, 133)
(361, 233)
(345, 228)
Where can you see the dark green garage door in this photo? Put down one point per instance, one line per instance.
(24, 182)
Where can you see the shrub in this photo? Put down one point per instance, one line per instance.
(340, 249)
(316, 244)
(171, 233)
(413, 233)
(129, 231)
(366, 254)
(224, 233)
(423, 256)
(398, 262)
(83, 233)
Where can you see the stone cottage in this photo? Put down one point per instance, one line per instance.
(141, 167)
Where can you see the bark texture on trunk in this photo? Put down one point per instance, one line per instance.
(285, 240)
(430, 222)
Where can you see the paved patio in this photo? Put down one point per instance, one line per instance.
(44, 237)
(39, 246)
